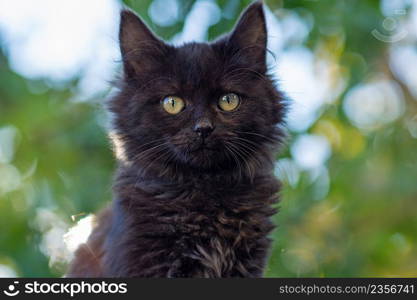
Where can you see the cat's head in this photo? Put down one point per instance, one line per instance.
(199, 106)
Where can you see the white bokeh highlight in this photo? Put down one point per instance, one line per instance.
(310, 151)
(369, 106)
(57, 40)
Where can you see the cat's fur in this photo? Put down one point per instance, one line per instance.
(181, 210)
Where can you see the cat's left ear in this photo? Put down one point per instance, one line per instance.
(141, 50)
(250, 35)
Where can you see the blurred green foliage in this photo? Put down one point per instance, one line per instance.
(58, 160)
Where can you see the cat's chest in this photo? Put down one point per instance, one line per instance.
(205, 231)
(232, 216)
(216, 241)
(206, 223)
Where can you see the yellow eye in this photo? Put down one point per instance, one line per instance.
(173, 104)
(229, 102)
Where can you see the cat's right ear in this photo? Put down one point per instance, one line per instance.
(249, 37)
(139, 47)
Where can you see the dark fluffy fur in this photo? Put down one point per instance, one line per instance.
(181, 208)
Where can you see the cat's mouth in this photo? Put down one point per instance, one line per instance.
(202, 147)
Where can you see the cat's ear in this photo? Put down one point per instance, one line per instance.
(139, 47)
(249, 36)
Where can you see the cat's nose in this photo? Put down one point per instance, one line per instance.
(203, 128)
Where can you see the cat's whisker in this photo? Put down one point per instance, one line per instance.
(252, 147)
(244, 160)
(153, 141)
(249, 150)
(144, 146)
(152, 155)
(236, 159)
(251, 156)
(142, 155)
(257, 134)
(157, 156)
(167, 161)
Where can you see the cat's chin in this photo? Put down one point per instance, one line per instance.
(206, 158)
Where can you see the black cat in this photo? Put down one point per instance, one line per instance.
(196, 129)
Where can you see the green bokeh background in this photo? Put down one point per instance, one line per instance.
(364, 225)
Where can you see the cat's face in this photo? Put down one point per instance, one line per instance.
(202, 106)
